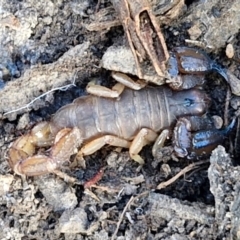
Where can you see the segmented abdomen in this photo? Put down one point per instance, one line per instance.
(96, 116)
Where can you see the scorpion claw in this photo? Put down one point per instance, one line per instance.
(21, 149)
(181, 137)
(34, 166)
(193, 61)
(21, 154)
(66, 143)
(198, 143)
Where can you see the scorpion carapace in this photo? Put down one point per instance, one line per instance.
(132, 121)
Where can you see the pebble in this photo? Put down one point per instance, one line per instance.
(230, 50)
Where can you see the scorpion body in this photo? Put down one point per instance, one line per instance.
(136, 117)
(131, 121)
(151, 107)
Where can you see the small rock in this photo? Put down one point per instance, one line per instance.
(194, 32)
(74, 221)
(102, 235)
(129, 189)
(135, 180)
(121, 59)
(6, 181)
(112, 159)
(80, 7)
(218, 121)
(233, 82)
(235, 103)
(165, 170)
(57, 193)
(230, 50)
(47, 20)
(23, 121)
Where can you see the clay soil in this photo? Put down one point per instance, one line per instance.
(52, 46)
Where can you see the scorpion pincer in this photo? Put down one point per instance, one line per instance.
(132, 121)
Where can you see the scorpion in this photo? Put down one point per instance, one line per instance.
(130, 117)
(131, 120)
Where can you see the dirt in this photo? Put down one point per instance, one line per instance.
(55, 47)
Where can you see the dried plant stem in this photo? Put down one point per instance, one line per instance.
(121, 217)
(182, 172)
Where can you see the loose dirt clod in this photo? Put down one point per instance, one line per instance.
(6, 181)
(224, 181)
(168, 208)
(57, 193)
(74, 221)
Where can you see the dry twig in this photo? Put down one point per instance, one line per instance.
(132, 199)
(182, 172)
(226, 109)
(121, 217)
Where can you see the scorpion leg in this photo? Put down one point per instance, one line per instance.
(144, 137)
(102, 91)
(98, 143)
(123, 81)
(128, 82)
(160, 141)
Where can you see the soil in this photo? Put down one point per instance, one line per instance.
(56, 47)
